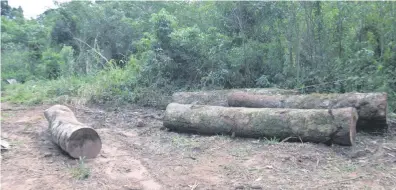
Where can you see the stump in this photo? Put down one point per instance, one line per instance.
(336, 126)
(73, 137)
(219, 97)
(371, 107)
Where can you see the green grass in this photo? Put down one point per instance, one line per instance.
(105, 85)
(81, 171)
(272, 140)
(5, 115)
(115, 85)
(183, 141)
(350, 167)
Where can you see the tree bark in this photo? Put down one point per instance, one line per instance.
(75, 138)
(314, 125)
(219, 97)
(371, 107)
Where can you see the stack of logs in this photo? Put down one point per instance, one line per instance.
(285, 114)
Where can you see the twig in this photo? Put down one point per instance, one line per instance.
(153, 116)
(93, 50)
(13, 109)
(340, 181)
(300, 139)
(194, 186)
(286, 139)
(387, 148)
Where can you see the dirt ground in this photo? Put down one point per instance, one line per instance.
(138, 153)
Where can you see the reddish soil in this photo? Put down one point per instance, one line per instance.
(138, 153)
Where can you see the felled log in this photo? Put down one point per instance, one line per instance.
(392, 122)
(371, 107)
(219, 97)
(314, 125)
(75, 138)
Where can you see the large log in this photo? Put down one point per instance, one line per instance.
(392, 122)
(314, 125)
(75, 138)
(371, 107)
(219, 97)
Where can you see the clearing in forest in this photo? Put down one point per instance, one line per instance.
(138, 153)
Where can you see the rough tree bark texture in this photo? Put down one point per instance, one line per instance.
(371, 107)
(219, 97)
(392, 122)
(72, 136)
(314, 125)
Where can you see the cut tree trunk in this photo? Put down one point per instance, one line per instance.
(75, 138)
(219, 97)
(392, 122)
(313, 125)
(371, 107)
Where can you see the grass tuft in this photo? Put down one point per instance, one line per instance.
(81, 172)
(272, 140)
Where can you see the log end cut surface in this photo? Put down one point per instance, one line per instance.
(84, 142)
(346, 135)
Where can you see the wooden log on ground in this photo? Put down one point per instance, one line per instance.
(392, 122)
(75, 138)
(371, 107)
(219, 97)
(313, 125)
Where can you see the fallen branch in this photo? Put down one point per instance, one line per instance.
(103, 57)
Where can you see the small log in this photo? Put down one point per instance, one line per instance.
(75, 138)
(371, 107)
(313, 125)
(219, 97)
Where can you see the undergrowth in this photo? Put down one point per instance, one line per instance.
(113, 85)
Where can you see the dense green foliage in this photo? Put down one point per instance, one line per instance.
(141, 51)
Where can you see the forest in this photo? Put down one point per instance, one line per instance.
(196, 95)
(141, 52)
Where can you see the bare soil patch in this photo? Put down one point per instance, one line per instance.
(138, 153)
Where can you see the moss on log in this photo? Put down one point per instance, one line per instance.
(313, 125)
(219, 97)
(73, 137)
(371, 107)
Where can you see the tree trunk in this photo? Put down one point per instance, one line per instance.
(314, 125)
(72, 136)
(219, 97)
(392, 122)
(371, 107)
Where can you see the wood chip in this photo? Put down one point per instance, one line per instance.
(4, 145)
(269, 167)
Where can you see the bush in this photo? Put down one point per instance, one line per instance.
(103, 86)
